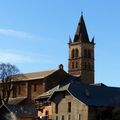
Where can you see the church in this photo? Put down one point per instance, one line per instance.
(61, 95)
(79, 97)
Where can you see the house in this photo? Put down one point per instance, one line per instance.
(79, 102)
(85, 102)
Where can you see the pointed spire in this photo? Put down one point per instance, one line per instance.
(81, 32)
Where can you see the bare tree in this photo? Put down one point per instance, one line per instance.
(8, 74)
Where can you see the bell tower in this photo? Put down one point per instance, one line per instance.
(81, 54)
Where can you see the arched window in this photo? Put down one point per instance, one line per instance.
(73, 53)
(76, 53)
(89, 54)
(85, 53)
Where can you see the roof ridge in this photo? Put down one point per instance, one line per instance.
(40, 71)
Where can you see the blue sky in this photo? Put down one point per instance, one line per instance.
(34, 34)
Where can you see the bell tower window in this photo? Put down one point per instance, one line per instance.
(73, 53)
(76, 53)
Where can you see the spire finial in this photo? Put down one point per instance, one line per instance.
(81, 12)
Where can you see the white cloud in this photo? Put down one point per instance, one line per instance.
(14, 33)
(13, 58)
(18, 57)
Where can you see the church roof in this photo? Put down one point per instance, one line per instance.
(93, 95)
(36, 75)
(81, 34)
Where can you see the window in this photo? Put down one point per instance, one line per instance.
(76, 53)
(35, 87)
(73, 53)
(69, 106)
(85, 53)
(69, 117)
(62, 117)
(56, 118)
(56, 108)
(79, 117)
(46, 113)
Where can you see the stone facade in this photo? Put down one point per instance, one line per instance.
(77, 110)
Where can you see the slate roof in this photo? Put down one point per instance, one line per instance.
(93, 95)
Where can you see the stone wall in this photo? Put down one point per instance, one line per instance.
(79, 111)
